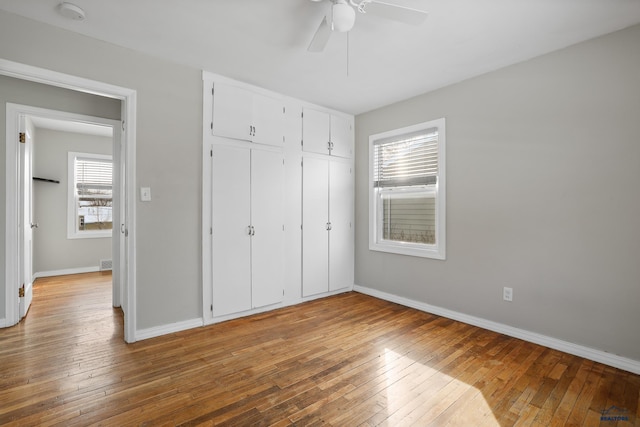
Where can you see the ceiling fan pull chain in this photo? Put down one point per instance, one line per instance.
(347, 54)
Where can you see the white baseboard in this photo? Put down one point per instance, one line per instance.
(3, 323)
(557, 344)
(209, 320)
(65, 271)
(156, 331)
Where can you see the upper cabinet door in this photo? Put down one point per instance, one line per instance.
(232, 112)
(315, 131)
(268, 120)
(325, 133)
(341, 137)
(239, 113)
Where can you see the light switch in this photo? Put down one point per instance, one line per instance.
(145, 194)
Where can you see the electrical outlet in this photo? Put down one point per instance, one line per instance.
(507, 294)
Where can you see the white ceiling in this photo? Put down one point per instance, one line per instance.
(264, 42)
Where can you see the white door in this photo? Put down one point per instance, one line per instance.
(232, 111)
(341, 217)
(341, 137)
(315, 213)
(120, 232)
(267, 219)
(267, 120)
(315, 131)
(231, 232)
(26, 216)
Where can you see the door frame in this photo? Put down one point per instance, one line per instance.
(16, 112)
(128, 137)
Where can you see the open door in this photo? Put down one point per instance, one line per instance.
(26, 222)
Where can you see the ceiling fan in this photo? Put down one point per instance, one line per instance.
(342, 16)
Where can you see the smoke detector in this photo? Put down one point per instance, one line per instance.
(71, 11)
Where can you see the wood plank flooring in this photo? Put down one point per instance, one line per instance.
(347, 360)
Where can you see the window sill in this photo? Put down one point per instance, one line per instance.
(91, 235)
(410, 249)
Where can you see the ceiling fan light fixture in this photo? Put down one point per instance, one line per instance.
(343, 16)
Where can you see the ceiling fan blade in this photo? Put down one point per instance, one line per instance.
(396, 12)
(321, 37)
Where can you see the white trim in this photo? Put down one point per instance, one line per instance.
(156, 331)
(437, 251)
(600, 356)
(129, 108)
(66, 271)
(72, 207)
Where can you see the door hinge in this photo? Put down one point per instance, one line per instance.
(211, 230)
(123, 126)
(211, 307)
(302, 114)
(211, 125)
(211, 152)
(22, 137)
(212, 90)
(21, 291)
(284, 110)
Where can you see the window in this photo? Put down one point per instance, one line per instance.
(407, 190)
(90, 196)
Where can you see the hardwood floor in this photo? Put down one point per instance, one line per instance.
(346, 360)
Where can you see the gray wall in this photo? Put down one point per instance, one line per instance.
(543, 167)
(52, 250)
(169, 138)
(37, 95)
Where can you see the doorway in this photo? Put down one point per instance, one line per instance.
(125, 262)
(69, 197)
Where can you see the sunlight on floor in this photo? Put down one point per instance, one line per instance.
(420, 395)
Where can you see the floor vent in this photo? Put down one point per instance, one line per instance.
(106, 264)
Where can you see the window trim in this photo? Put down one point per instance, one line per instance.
(72, 229)
(436, 251)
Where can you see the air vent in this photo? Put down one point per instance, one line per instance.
(106, 264)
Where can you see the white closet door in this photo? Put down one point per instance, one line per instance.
(268, 120)
(267, 218)
(315, 242)
(341, 234)
(232, 111)
(341, 137)
(315, 131)
(230, 185)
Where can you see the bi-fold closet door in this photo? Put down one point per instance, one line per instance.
(327, 225)
(247, 228)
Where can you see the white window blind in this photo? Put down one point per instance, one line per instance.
(410, 161)
(94, 178)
